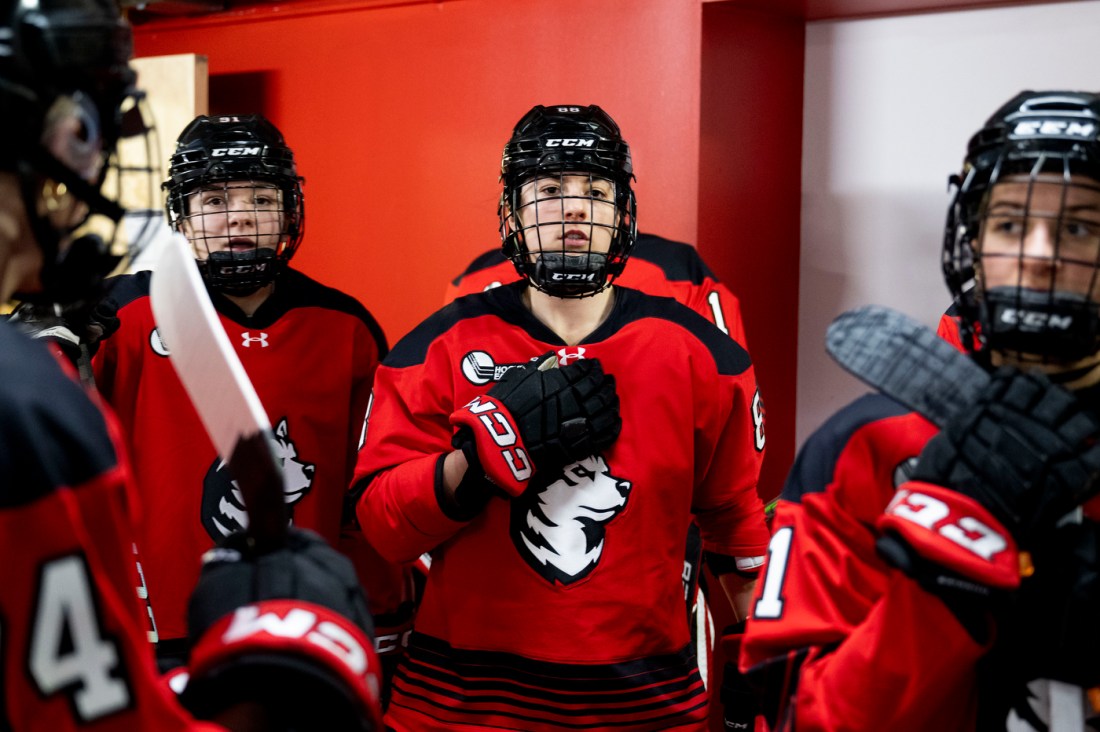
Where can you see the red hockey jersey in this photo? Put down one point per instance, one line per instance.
(310, 351)
(73, 648)
(563, 606)
(658, 266)
(843, 640)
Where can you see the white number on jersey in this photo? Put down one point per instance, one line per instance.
(770, 604)
(69, 652)
(716, 309)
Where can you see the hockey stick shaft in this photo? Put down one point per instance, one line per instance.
(220, 390)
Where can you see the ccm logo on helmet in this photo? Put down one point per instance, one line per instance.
(336, 642)
(1055, 127)
(570, 142)
(221, 152)
(572, 276)
(1033, 319)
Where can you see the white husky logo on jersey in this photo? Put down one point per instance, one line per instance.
(223, 509)
(560, 529)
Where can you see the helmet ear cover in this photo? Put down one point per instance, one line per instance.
(1051, 135)
(558, 141)
(239, 149)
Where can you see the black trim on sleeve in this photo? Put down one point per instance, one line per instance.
(485, 260)
(813, 468)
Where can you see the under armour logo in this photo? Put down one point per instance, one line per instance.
(565, 355)
(247, 339)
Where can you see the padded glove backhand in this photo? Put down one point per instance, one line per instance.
(564, 414)
(539, 417)
(279, 627)
(1026, 450)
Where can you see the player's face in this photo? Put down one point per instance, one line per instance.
(1043, 236)
(574, 213)
(237, 216)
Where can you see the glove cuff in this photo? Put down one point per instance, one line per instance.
(288, 643)
(955, 531)
(500, 449)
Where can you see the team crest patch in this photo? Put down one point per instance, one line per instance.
(559, 529)
(223, 509)
(479, 368)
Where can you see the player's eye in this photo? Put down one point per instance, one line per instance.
(212, 201)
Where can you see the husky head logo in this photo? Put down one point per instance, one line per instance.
(223, 509)
(560, 528)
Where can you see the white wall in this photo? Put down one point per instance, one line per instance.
(889, 107)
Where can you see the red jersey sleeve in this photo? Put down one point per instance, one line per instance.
(840, 639)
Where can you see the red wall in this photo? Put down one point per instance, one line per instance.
(750, 195)
(398, 115)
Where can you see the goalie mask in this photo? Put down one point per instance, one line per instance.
(567, 211)
(73, 134)
(1022, 242)
(234, 192)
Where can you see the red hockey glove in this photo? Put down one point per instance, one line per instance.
(539, 417)
(1026, 450)
(280, 627)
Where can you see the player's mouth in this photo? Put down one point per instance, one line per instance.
(575, 240)
(241, 244)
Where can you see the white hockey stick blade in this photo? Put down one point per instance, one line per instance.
(905, 360)
(219, 388)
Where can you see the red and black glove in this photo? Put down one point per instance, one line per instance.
(276, 629)
(538, 417)
(1002, 473)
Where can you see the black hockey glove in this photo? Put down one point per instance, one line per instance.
(83, 324)
(279, 628)
(1050, 629)
(740, 701)
(1026, 450)
(541, 417)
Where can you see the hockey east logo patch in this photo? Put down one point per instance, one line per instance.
(223, 510)
(560, 528)
(479, 368)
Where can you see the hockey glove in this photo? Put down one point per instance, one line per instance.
(1026, 450)
(71, 327)
(740, 701)
(276, 628)
(538, 417)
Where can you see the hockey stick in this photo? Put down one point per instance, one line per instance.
(905, 360)
(220, 390)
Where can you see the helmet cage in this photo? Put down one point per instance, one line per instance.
(75, 132)
(555, 142)
(1052, 137)
(223, 154)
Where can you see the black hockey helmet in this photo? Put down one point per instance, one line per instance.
(551, 142)
(1053, 136)
(68, 98)
(248, 151)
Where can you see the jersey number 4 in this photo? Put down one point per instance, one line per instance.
(69, 651)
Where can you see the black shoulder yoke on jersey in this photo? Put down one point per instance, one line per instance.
(814, 466)
(506, 303)
(678, 261)
(51, 434)
(292, 290)
(485, 260)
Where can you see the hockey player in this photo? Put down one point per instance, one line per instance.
(659, 266)
(548, 441)
(310, 351)
(922, 579)
(73, 649)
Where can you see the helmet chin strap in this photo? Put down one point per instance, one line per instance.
(570, 275)
(240, 273)
(1036, 326)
